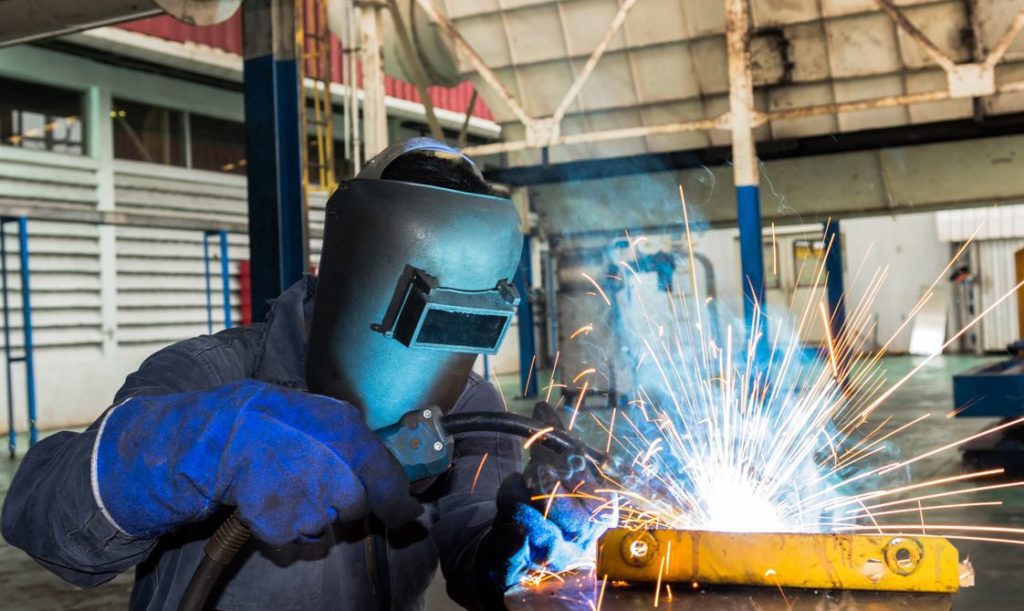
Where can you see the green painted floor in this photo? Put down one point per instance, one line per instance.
(999, 568)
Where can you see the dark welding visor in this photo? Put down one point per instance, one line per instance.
(423, 314)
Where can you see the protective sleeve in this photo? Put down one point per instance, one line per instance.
(52, 510)
(467, 508)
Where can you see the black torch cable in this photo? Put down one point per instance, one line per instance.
(229, 538)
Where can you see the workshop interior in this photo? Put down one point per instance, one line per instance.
(512, 304)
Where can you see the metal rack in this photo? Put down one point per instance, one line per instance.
(27, 353)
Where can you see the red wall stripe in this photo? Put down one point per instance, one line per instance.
(227, 36)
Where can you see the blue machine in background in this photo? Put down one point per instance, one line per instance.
(995, 390)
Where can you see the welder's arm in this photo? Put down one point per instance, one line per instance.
(51, 510)
(466, 511)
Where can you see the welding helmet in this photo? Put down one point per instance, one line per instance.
(415, 281)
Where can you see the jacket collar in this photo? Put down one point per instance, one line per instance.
(284, 339)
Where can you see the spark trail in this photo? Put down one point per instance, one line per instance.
(719, 437)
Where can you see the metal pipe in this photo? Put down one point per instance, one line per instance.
(744, 167)
(603, 135)
(375, 115)
(357, 138)
(416, 70)
(464, 130)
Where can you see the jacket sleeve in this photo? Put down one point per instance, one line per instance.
(467, 508)
(52, 512)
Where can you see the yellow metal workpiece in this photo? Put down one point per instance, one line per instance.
(822, 561)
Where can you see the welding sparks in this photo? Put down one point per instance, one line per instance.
(723, 436)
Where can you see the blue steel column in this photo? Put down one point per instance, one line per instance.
(527, 343)
(744, 166)
(277, 228)
(834, 279)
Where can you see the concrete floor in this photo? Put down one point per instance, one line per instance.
(25, 585)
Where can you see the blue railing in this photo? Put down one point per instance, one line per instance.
(225, 278)
(26, 355)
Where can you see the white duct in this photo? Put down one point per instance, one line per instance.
(435, 53)
(26, 20)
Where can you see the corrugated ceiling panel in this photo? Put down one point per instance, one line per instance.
(583, 30)
(650, 22)
(773, 13)
(943, 24)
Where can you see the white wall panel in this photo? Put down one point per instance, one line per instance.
(997, 275)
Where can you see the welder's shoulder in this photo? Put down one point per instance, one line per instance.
(202, 362)
(479, 396)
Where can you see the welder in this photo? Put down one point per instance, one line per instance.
(278, 422)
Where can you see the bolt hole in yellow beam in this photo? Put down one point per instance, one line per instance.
(903, 563)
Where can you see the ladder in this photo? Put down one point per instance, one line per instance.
(317, 123)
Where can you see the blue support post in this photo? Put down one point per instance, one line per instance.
(745, 170)
(277, 224)
(834, 279)
(225, 278)
(748, 207)
(527, 342)
(28, 356)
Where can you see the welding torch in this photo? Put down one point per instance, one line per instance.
(421, 441)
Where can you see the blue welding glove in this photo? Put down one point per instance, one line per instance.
(535, 530)
(291, 462)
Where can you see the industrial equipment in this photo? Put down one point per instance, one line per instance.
(898, 563)
(994, 390)
(606, 286)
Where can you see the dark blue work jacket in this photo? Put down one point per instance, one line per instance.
(51, 511)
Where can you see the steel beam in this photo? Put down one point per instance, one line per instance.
(277, 227)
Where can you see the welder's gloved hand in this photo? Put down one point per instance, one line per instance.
(291, 462)
(554, 533)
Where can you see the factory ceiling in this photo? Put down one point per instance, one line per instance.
(815, 63)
